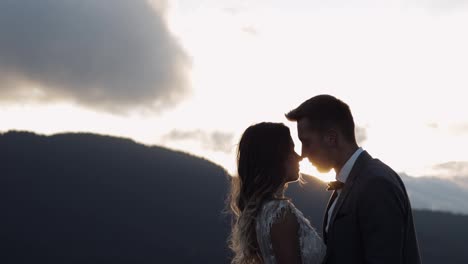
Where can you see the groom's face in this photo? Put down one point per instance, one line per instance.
(313, 146)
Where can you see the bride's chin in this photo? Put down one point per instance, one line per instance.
(293, 178)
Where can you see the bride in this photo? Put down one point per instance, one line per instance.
(267, 227)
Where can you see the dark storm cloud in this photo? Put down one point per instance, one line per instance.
(216, 141)
(106, 54)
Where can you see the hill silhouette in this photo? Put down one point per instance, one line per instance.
(82, 198)
(85, 198)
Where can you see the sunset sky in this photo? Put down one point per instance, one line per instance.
(192, 75)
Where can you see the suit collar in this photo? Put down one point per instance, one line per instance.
(360, 163)
(348, 166)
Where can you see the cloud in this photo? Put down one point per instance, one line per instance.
(436, 194)
(441, 5)
(455, 171)
(456, 128)
(459, 128)
(215, 141)
(430, 5)
(251, 30)
(433, 125)
(452, 169)
(446, 189)
(233, 10)
(361, 134)
(114, 55)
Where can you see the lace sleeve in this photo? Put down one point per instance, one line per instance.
(271, 212)
(313, 248)
(311, 245)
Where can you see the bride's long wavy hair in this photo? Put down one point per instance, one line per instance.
(261, 159)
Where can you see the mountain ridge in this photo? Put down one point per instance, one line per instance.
(90, 198)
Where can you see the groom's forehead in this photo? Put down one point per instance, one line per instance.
(303, 123)
(303, 128)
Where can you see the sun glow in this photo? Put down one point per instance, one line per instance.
(307, 168)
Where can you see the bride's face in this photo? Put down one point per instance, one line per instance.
(292, 165)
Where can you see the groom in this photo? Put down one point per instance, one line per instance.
(368, 217)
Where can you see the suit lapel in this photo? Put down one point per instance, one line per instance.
(358, 166)
(325, 218)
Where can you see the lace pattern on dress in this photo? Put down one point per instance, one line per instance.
(311, 245)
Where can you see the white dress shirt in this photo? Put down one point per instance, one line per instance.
(342, 177)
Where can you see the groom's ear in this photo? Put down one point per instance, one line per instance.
(331, 137)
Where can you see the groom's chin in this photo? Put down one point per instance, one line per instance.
(323, 170)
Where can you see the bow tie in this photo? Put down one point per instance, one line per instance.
(335, 185)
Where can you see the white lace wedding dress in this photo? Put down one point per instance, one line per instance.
(311, 245)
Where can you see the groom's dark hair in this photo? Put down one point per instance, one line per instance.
(325, 111)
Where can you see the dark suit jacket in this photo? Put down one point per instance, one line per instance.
(372, 221)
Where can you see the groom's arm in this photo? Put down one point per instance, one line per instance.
(382, 219)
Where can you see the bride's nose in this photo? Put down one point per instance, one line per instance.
(303, 152)
(298, 157)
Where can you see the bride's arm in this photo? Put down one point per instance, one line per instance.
(285, 239)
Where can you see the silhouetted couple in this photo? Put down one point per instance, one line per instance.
(368, 218)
